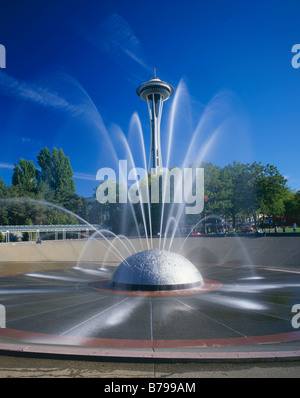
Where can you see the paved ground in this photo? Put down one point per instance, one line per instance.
(17, 367)
(236, 305)
(252, 302)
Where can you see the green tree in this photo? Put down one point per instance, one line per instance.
(56, 171)
(3, 203)
(56, 185)
(240, 191)
(32, 196)
(3, 189)
(217, 189)
(76, 204)
(292, 208)
(45, 174)
(242, 198)
(18, 206)
(272, 190)
(24, 177)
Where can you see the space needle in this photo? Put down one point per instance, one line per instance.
(155, 92)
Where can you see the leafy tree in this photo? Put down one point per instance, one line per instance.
(217, 189)
(292, 208)
(44, 192)
(240, 191)
(63, 173)
(272, 190)
(44, 160)
(56, 171)
(56, 185)
(18, 208)
(24, 177)
(3, 202)
(32, 195)
(242, 198)
(236, 191)
(3, 189)
(76, 204)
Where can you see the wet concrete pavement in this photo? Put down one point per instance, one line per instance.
(60, 302)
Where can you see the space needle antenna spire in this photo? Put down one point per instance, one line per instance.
(155, 92)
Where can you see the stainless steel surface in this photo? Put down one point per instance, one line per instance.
(157, 269)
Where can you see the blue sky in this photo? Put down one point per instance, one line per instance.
(72, 69)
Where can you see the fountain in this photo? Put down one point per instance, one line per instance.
(162, 296)
(156, 269)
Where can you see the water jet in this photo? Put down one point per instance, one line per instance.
(123, 299)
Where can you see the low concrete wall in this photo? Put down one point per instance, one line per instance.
(50, 251)
(268, 251)
(24, 257)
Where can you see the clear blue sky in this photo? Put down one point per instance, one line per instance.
(72, 68)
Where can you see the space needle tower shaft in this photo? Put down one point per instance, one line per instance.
(155, 92)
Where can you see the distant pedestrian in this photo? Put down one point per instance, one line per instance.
(294, 227)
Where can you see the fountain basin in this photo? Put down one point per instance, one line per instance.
(155, 270)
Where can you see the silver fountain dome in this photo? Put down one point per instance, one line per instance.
(156, 270)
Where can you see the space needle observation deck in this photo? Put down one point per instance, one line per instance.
(155, 92)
